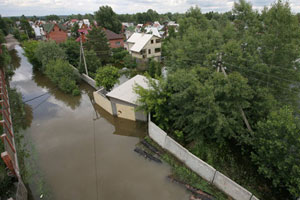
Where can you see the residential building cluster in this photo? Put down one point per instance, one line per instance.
(142, 41)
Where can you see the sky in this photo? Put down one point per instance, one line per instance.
(67, 7)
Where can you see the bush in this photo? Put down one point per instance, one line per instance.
(48, 51)
(61, 73)
(30, 47)
(107, 77)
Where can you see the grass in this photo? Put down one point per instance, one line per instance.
(184, 174)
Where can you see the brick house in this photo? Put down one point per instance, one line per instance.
(115, 40)
(56, 32)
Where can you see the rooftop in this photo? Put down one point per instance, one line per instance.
(125, 91)
(139, 40)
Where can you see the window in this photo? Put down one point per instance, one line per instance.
(59, 29)
(149, 51)
(157, 50)
(157, 40)
(118, 43)
(151, 41)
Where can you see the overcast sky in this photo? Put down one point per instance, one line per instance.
(66, 7)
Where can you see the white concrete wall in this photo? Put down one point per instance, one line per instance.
(89, 81)
(157, 134)
(197, 165)
(230, 187)
(200, 167)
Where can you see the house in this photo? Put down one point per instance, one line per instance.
(115, 40)
(56, 32)
(123, 101)
(144, 46)
(37, 32)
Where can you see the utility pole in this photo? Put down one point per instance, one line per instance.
(220, 66)
(82, 52)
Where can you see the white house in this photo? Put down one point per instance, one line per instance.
(144, 46)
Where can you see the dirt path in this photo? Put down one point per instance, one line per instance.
(11, 42)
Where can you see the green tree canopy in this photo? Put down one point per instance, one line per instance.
(47, 51)
(107, 18)
(97, 41)
(107, 77)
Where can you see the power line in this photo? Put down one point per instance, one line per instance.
(282, 79)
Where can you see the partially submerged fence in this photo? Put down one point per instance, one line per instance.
(197, 165)
(9, 156)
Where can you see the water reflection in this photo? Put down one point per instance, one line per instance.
(15, 59)
(123, 127)
(42, 81)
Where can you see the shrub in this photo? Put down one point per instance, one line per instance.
(107, 77)
(61, 73)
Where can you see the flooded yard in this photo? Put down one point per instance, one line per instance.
(82, 152)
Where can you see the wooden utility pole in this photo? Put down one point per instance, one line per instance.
(82, 52)
(241, 109)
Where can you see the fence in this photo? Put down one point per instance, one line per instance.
(197, 165)
(86, 78)
(9, 156)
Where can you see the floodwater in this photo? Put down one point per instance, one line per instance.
(82, 151)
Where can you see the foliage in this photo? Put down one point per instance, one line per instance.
(107, 18)
(48, 51)
(130, 62)
(52, 17)
(25, 26)
(154, 68)
(118, 55)
(107, 77)
(260, 53)
(98, 42)
(92, 62)
(72, 50)
(74, 31)
(30, 47)
(277, 149)
(61, 73)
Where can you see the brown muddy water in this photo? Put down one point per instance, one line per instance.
(82, 152)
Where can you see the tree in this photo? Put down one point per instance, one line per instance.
(61, 73)
(52, 17)
(48, 51)
(107, 18)
(107, 77)
(25, 26)
(92, 62)
(277, 149)
(72, 50)
(130, 62)
(74, 31)
(97, 41)
(30, 47)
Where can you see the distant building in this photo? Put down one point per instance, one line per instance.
(56, 32)
(123, 101)
(144, 46)
(115, 40)
(37, 32)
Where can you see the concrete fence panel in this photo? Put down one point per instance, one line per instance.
(254, 198)
(90, 81)
(157, 134)
(200, 167)
(172, 146)
(231, 188)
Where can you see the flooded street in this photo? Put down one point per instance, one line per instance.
(82, 151)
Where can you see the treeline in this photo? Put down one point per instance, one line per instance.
(203, 108)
